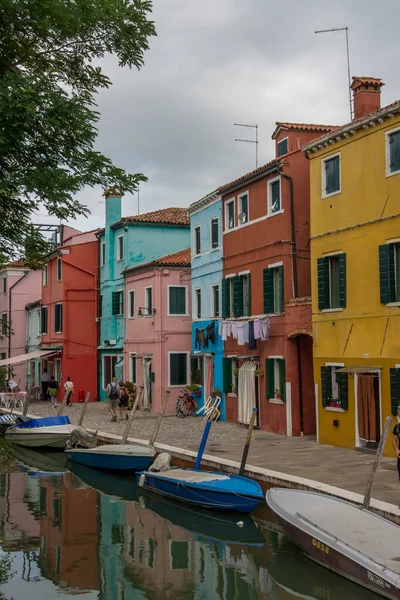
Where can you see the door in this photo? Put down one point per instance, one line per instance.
(368, 414)
(146, 382)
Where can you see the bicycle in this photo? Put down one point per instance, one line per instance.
(185, 405)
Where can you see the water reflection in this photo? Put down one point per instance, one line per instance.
(97, 535)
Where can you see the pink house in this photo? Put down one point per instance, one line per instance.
(158, 327)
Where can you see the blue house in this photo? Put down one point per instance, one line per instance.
(207, 345)
(129, 242)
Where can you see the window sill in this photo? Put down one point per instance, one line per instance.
(393, 304)
(276, 314)
(176, 315)
(391, 174)
(324, 196)
(232, 394)
(273, 214)
(275, 401)
(332, 310)
(334, 409)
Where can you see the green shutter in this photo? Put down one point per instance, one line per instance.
(226, 299)
(270, 383)
(115, 303)
(282, 374)
(342, 280)
(343, 381)
(394, 390)
(248, 297)
(268, 277)
(387, 276)
(227, 375)
(238, 296)
(392, 273)
(281, 289)
(326, 385)
(177, 300)
(323, 283)
(394, 145)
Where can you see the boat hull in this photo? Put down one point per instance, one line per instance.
(109, 462)
(34, 439)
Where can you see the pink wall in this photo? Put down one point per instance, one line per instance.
(159, 334)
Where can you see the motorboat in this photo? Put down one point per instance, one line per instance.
(48, 432)
(116, 457)
(345, 538)
(7, 421)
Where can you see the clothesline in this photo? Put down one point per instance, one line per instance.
(245, 332)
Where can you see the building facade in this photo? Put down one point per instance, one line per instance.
(129, 242)
(69, 312)
(355, 258)
(158, 328)
(266, 304)
(207, 345)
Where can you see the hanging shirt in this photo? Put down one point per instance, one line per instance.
(257, 329)
(264, 327)
(240, 330)
(234, 330)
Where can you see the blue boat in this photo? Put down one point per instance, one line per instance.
(121, 457)
(204, 488)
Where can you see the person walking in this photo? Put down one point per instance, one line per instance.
(123, 401)
(396, 440)
(45, 380)
(52, 391)
(69, 389)
(113, 393)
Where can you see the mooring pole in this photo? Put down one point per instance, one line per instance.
(378, 456)
(248, 440)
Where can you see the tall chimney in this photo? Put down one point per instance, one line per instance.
(366, 95)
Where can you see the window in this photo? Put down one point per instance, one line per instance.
(131, 304)
(236, 296)
(43, 319)
(4, 322)
(274, 196)
(120, 247)
(334, 387)
(45, 275)
(148, 299)
(197, 303)
(38, 313)
(273, 289)
(117, 301)
(230, 375)
(283, 147)
(3, 355)
(58, 561)
(178, 369)
(214, 233)
(101, 305)
(59, 269)
(243, 214)
(151, 553)
(394, 389)
(215, 300)
(103, 254)
(177, 300)
(133, 367)
(331, 175)
(196, 370)
(230, 215)
(58, 318)
(131, 549)
(393, 152)
(275, 379)
(389, 272)
(109, 363)
(332, 282)
(4, 285)
(197, 240)
(179, 552)
(57, 511)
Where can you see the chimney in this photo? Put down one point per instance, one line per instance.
(366, 95)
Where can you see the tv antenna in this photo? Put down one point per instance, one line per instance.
(346, 30)
(249, 141)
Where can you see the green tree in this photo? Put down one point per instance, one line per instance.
(50, 54)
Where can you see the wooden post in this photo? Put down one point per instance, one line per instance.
(62, 405)
(84, 409)
(129, 423)
(378, 456)
(26, 404)
(248, 440)
(159, 418)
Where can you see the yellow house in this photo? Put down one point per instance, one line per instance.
(355, 262)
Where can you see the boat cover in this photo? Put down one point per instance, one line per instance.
(44, 422)
(190, 476)
(119, 449)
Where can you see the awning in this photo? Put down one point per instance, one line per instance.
(16, 360)
(358, 369)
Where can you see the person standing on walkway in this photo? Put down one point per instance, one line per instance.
(113, 392)
(52, 391)
(123, 401)
(69, 389)
(45, 380)
(396, 440)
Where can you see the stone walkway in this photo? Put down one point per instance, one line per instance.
(303, 457)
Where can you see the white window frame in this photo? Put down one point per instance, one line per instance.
(103, 371)
(148, 313)
(211, 240)
(197, 227)
(102, 254)
(62, 316)
(120, 248)
(277, 377)
(230, 278)
(185, 314)
(187, 367)
(277, 147)
(38, 316)
(240, 202)
(227, 203)
(195, 304)
(132, 355)
(323, 175)
(59, 269)
(212, 303)
(269, 196)
(129, 297)
(46, 275)
(390, 173)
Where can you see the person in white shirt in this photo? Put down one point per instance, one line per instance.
(69, 389)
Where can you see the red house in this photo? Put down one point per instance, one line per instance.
(69, 311)
(266, 285)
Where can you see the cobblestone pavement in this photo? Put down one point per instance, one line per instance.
(303, 457)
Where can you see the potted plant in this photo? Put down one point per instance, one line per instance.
(194, 388)
(334, 402)
(235, 372)
(258, 372)
(216, 392)
(277, 394)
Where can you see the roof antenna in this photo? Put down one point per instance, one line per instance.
(249, 141)
(346, 30)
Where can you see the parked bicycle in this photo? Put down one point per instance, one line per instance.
(185, 405)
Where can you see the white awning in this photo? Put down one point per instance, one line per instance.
(359, 370)
(16, 360)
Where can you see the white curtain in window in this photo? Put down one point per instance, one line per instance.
(247, 391)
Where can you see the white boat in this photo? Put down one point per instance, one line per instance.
(49, 432)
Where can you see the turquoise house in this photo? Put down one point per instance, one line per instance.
(129, 242)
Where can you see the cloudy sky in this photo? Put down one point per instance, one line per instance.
(220, 62)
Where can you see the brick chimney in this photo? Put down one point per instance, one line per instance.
(366, 95)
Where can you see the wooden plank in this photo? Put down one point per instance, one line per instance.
(248, 440)
(160, 416)
(129, 423)
(378, 456)
(62, 405)
(84, 409)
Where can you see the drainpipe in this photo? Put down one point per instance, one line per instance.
(9, 310)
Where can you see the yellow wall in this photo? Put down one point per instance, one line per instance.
(365, 332)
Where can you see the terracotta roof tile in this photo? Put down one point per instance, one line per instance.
(16, 264)
(247, 175)
(170, 216)
(181, 258)
(359, 81)
(307, 127)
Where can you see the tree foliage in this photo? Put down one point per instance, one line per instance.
(50, 55)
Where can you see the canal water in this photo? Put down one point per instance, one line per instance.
(68, 530)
